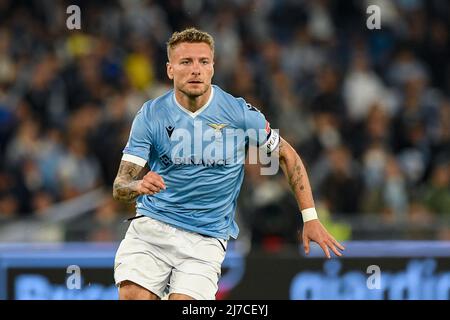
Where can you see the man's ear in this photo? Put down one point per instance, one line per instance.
(169, 70)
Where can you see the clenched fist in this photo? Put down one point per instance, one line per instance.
(150, 184)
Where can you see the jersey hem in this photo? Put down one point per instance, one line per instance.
(184, 226)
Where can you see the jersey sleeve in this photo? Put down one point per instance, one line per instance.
(139, 142)
(258, 128)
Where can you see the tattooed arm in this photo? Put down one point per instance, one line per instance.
(133, 180)
(295, 172)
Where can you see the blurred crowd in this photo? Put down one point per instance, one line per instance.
(367, 110)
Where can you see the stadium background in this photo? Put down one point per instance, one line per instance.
(368, 111)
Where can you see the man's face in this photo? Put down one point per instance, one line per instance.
(191, 67)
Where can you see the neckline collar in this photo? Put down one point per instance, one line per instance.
(196, 113)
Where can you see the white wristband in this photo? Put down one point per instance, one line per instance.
(309, 214)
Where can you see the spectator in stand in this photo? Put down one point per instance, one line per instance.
(378, 102)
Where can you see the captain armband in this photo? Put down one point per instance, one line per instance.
(272, 141)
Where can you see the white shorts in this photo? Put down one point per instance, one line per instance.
(165, 259)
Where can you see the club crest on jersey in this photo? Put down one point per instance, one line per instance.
(169, 130)
(218, 126)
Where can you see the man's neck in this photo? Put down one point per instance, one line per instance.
(192, 103)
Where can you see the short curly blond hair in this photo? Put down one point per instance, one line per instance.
(191, 35)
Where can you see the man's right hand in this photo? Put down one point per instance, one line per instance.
(129, 185)
(151, 184)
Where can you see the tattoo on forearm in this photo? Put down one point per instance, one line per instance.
(125, 184)
(124, 191)
(295, 177)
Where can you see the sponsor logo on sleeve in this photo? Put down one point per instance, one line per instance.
(252, 108)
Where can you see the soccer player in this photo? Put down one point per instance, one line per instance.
(186, 198)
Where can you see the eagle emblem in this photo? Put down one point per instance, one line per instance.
(218, 126)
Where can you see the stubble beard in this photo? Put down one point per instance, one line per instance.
(192, 94)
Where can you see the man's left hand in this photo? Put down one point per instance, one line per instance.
(313, 230)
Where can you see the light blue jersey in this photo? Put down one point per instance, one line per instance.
(200, 157)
